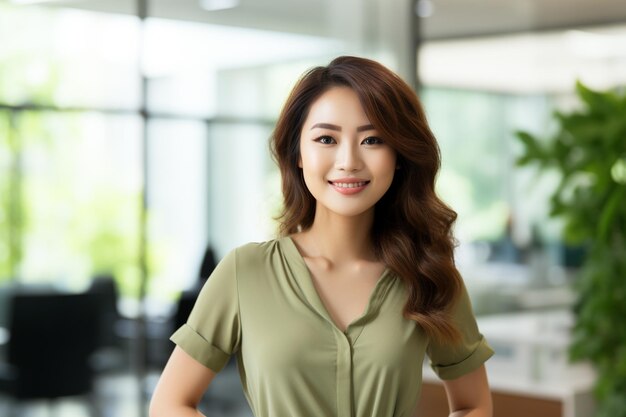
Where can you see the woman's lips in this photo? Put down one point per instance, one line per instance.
(348, 187)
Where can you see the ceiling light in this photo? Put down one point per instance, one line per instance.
(214, 5)
(588, 44)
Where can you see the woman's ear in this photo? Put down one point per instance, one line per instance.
(299, 162)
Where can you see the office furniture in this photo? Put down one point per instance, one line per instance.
(51, 339)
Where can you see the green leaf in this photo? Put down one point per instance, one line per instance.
(607, 214)
(533, 151)
(598, 103)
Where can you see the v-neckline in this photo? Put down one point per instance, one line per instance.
(305, 280)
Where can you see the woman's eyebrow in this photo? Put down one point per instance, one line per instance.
(338, 128)
(326, 126)
(364, 128)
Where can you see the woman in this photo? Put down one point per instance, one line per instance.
(334, 317)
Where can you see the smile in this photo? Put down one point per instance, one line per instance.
(349, 184)
(349, 187)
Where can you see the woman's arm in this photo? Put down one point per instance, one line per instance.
(469, 395)
(181, 386)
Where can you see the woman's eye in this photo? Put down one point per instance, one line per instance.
(325, 140)
(372, 140)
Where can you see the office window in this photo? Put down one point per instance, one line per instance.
(70, 180)
(178, 195)
(475, 130)
(80, 187)
(68, 58)
(244, 185)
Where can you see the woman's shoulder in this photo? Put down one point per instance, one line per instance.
(257, 253)
(256, 262)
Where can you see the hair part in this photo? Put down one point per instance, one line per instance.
(412, 231)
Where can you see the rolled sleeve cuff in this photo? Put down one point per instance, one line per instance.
(472, 362)
(199, 348)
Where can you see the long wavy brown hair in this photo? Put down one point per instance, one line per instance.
(412, 230)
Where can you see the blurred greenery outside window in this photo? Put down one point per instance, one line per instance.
(475, 130)
(71, 180)
(78, 190)
(81, 196)
(68, 58)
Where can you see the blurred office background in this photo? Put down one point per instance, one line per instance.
(134, 155)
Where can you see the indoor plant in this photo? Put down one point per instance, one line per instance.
(589, 151)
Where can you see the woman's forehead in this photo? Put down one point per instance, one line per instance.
(337, 107)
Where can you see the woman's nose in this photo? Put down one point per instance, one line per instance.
(348, 157)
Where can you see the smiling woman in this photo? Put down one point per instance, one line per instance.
(334, 317)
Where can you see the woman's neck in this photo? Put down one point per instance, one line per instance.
(339, 239)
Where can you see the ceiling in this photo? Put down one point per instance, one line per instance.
(463, 18)
(450, 18)
(542, 45)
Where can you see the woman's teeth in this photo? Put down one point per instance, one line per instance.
(349, 184)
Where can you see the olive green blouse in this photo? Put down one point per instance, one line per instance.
(260, 304)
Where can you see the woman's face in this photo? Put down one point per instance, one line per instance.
(347, 167)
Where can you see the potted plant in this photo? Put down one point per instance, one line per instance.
(589, 151)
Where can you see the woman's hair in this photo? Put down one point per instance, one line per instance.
(412, 230)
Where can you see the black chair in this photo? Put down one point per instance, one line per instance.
(104, 288)
(208, 264)
(112, 351)
(52, 337)
(188, 298)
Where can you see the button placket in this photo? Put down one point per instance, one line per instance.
(344, 374)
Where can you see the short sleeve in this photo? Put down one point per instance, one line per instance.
(452, 361)
(213, 331)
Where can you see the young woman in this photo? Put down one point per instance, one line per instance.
(335, 316)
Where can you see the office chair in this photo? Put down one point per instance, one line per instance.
(161, 351)
(104, 288)
(112, 351)
(51, 339)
